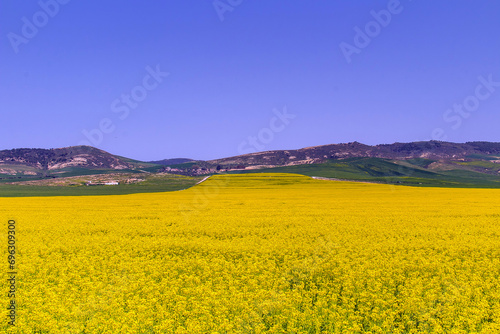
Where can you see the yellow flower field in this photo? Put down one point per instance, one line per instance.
(258, 253)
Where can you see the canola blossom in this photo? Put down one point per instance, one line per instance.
(258, 253)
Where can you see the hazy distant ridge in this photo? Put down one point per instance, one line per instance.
(399, 151)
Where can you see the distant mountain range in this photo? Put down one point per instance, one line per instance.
(468, 163)
(34, 161)
(400, 151)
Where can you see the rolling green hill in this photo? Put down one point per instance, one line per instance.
(409, 172)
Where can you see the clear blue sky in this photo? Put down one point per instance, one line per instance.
(68, 67)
